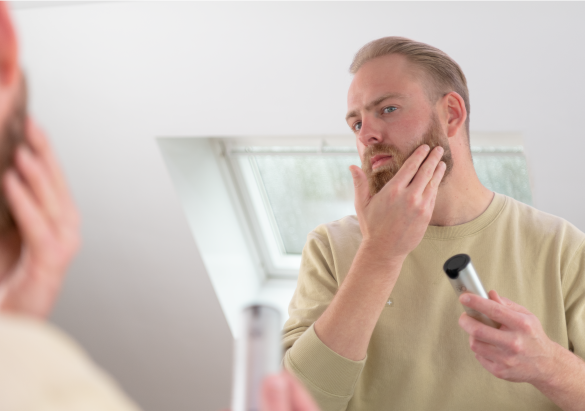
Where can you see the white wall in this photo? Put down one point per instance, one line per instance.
(107, 79)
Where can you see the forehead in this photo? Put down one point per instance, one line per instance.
(391, 74)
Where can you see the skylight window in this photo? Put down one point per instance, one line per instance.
(289, 187)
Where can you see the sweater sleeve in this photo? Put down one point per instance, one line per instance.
(329, 377)
(574, 293)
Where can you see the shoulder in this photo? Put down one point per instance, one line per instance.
(333, 245)
(60, 367)
(337, 233)
(539, 223)
(546, 230)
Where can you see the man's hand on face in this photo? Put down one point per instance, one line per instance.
(48, 227)
(520, 350)
(395, 220)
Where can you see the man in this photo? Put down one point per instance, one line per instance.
(374, 323)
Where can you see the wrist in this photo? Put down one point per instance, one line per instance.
(378, 252)
(554, 370)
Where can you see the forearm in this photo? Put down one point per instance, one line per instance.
(566, 385)
(348, 323)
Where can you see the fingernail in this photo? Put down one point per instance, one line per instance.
(440, 149)
(443, 164)
(426, 147)
(465, 298)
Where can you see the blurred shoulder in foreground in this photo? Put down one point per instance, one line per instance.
(41, 368)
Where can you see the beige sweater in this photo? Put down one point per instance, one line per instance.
(41, 369)
(418, 357)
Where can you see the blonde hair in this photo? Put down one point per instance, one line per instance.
(443, 74)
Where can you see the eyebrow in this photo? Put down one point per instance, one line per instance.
(374, 103)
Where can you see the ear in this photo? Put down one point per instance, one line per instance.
(454, 112)
(9, 69)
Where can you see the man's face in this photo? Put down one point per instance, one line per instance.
(391, 116)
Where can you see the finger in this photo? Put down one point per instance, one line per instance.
(433, 185)
(275, 394)
(495, 311)
(35, 177)
(426, 170)
(31, 223)
(482, 332)
(507, 302)
(39, 143)
(487, 351)
(300, 398)
(361, 187)
(411, 166)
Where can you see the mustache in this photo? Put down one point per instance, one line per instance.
(376, 149)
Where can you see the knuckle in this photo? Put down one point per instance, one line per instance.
(412, 201)
(478, 333)
(413, 167)
(393, 191)
(516, 346)
(508, 362)
(497, 311)
(525, 324)
(428, 170)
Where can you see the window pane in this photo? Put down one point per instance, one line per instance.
(505, 174)
(305, 191)
(302, 191)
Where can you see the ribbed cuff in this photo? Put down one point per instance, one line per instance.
(323, 367)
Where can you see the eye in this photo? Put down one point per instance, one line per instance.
(388, 109)
(357, 126)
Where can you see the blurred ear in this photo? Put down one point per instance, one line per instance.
(8, 48)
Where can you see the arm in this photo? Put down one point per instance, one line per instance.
(520, 351)
(329, 328)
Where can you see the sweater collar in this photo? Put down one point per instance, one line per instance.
(474, 226)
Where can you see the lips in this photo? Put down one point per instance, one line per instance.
(379, 160)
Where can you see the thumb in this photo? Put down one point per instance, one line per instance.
(360, 184)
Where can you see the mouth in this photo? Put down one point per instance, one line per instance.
(379, 160)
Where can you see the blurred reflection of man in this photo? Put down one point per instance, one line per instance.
(40, 367)
(373, 321)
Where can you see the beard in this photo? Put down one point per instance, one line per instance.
(12, 134)
(377, 179)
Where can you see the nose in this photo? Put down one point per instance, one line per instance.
(370, 133)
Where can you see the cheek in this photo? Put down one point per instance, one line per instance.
(408, 131)
(360, 148)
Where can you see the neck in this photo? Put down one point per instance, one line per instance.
(461, 197)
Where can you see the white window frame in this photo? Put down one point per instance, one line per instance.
(261, 225)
